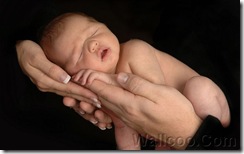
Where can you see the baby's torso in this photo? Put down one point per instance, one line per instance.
(175, 73)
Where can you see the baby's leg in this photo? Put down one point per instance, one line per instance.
(207, 99)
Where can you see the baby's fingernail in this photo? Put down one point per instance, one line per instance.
(65, 78)
(94, 122)
(102, 128)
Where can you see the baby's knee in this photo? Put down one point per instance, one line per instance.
(203, 88)
(207, 98)
(198, 86)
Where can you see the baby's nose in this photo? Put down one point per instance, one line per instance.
(93, 46)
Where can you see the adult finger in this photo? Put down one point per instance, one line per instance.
(118, 100)
(52, 70)
(87, 107)
(69, 102)
(111, 96)
(31, 55)
(47, 84)
(102, 116)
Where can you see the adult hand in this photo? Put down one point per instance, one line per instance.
(47, 76)
(155, 110)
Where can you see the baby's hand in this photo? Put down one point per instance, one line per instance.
(86, 77)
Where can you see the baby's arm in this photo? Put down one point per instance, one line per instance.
(87, 76)
(138, 57)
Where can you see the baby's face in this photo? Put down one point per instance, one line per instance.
(85, 44)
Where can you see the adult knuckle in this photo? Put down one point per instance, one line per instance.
(42, 87)
(68, 91)
(132, 110)
(53, 69)
(34, 58)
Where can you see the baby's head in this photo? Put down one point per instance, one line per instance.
(76, 41)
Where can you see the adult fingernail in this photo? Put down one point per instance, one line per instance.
(98, 105)
(102, 128)
(82, 112)
(109, 127)
(65, 78)
(94, 122)
(96, 102)
(122, 77)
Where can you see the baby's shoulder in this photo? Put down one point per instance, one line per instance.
(135, 47)
(134, 44)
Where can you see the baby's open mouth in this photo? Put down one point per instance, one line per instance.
(104, 52)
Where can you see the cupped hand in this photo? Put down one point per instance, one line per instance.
(47, 76)
(159, 111)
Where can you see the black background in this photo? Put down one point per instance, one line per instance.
(203, 34)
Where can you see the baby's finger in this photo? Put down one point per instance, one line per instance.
(93, 76)
(77, 76)
(85, 76)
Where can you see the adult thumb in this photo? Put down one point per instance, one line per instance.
(137, 85)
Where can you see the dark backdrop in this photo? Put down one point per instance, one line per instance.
(203, 34)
